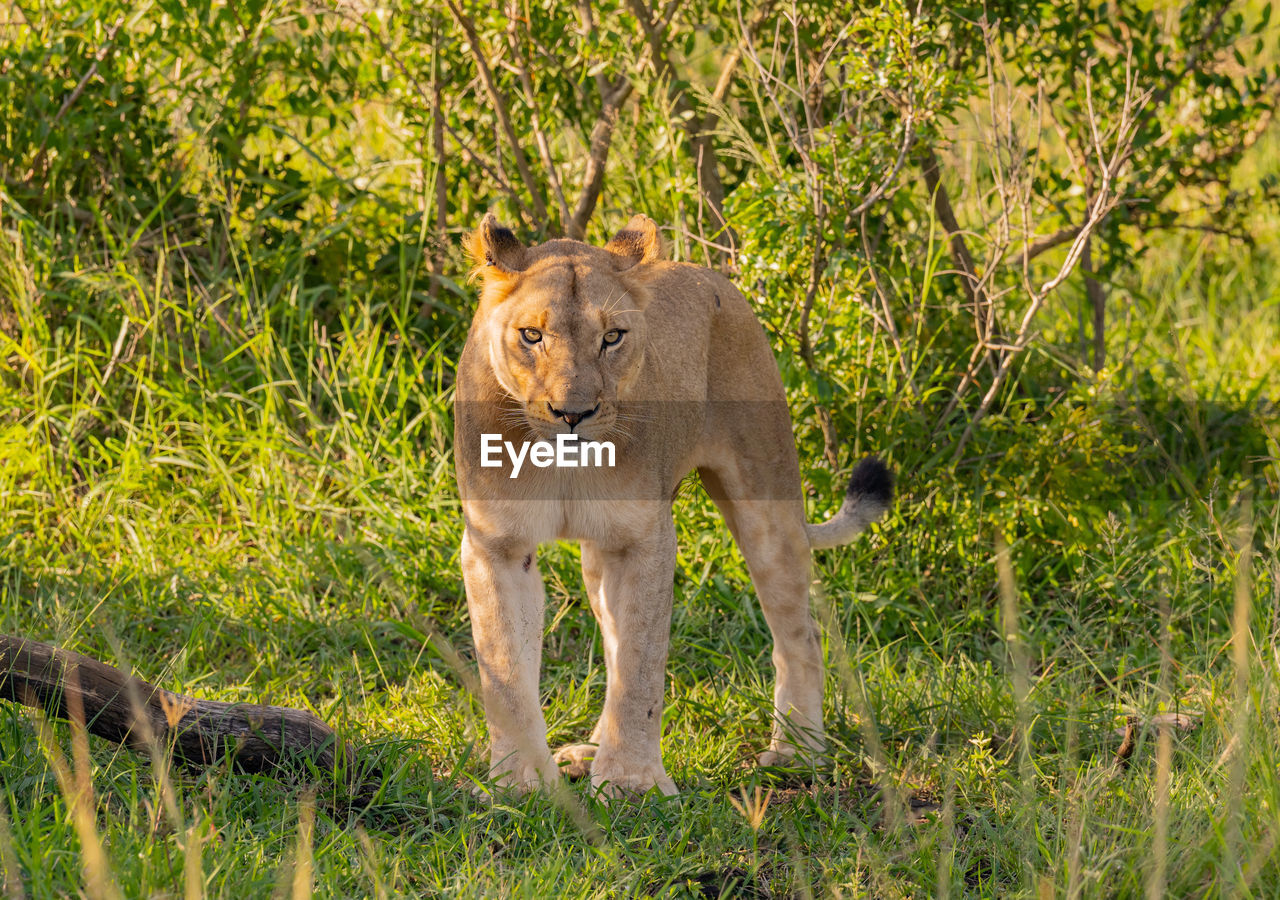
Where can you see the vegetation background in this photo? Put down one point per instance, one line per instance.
(1026, 252)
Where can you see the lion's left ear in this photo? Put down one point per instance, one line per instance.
(638, 242)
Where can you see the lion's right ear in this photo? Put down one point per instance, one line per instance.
(638, 242)
(495, 249)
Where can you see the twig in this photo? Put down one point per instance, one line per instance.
(1103, 201)
(890, 323)
(970, 282)
(472, 154)
(531, 99)
(1097, 296)
(38, 160)
(1045, 244)
(439, 257)
(501, 111)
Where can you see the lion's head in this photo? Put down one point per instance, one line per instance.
(563, 323)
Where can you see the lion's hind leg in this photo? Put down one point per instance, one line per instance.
(770, 532)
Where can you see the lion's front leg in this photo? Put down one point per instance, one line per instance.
(506, 603)
(635, 618)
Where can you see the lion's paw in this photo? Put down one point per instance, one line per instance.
(811, 760)
(575, 760)
(776, 757)
(520, 778)
(617, 781)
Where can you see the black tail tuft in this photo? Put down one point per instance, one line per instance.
(871, 481)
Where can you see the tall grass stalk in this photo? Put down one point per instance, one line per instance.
(1157, 879)
(1243, 652)
(1019, 676)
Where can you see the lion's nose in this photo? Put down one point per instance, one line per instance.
(572, 418)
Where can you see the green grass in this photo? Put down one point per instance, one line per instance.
(265, 511)
(225, 447)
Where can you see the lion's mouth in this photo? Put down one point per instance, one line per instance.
(549, 422)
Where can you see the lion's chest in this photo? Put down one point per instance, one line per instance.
(611, 512)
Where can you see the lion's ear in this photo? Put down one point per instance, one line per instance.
(638, 242)
(495, 249)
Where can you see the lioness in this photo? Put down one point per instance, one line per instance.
(667, 362)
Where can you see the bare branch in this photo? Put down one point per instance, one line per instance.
(427, 97)
(970, 281)
(1097, 295)
(531, 99)
(37, 160)
(1045, 244)
(598, 157)
(438, 257)
(882, 293)
(1100, 205)
(501, 111)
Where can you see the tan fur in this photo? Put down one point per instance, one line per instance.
(691, 384)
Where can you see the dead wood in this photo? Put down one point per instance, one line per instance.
(200, 733)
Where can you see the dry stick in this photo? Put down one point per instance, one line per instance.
(811, 104)
(704, 152)
(1068, 233)
(598, 156)
(498, 178)
(303, 863)
(699, 129)
(973, 284)
(193, 862)
(985, 323)
(474, 155)
(37, 161)
(612, 97)
(1146, 108)
(1045, 244)
(439, 259)
(1157, 878)
(531, 99)
(860, 210)
(1075, 810)
(204, 732)
(1099, 206)
(1242, 652)
(703, 147)
(1011, 181)
(1016, 648)
(816, 264)
(890, 323)
(814, 184)
(1097, 296)
(501, 110)
(10, 870)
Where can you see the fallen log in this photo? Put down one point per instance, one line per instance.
(200, 733)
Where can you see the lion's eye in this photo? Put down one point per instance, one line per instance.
(612, 336)
(531, 335)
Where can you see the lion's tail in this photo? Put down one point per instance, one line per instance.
(868, 497)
